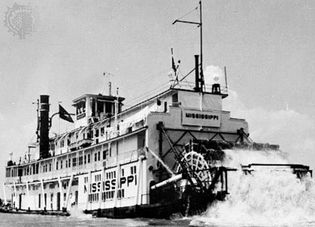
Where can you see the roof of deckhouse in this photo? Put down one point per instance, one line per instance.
(165, 92)
(100, 96)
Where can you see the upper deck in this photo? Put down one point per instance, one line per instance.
(89, 147)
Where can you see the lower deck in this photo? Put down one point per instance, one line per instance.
(117, 186)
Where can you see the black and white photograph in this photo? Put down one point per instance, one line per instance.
(157, 113)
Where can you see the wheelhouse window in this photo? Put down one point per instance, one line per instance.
(80, 109)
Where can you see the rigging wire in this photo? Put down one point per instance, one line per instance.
(188, 13)
(158, 88)
(147, 94)
(187, 74)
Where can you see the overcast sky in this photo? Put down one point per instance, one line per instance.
(267, 46)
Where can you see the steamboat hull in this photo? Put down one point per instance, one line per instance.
(187, 206)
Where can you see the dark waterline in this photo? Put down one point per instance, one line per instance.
(13, 220)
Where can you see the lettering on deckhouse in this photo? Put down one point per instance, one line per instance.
(201, 118)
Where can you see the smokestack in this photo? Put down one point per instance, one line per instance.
(197, 88)
(44, 127)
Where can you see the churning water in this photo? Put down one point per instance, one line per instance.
(268, 196)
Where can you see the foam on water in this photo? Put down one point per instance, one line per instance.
(78, 216)
(78, 213)
(268, 196)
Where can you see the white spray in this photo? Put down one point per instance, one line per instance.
(266, 197)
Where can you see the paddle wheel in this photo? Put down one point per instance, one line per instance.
(198, 178)
(199, 166)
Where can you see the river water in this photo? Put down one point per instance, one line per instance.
(266, 197)
(15, 220)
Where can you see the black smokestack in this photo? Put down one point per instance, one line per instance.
(197, 88)
(44, 127)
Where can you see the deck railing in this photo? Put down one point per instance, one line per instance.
(54, 174)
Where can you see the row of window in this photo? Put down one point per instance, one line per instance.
(47, 167)
(86, 159)
(23, 171)
(106, 195)
(86, 135)
(67, 163)
(52, 198)
(98, 177)
(36, 187)
(111, 174)
(29, 170)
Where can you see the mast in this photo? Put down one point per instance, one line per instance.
(202, 82)
(200, 86)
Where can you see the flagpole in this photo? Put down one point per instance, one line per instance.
(116, 111)
(59, 119)
(63, 114)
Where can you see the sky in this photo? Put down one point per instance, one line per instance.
(267, 46)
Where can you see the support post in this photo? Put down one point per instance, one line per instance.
(88, 189)
(117, 184)
(68, 191)
(139, 181)
(159, 127)
(160, 142)
(14, 185)
(60, 191)
(101, 188)
(27, 195)
(4, 194)
(226, 181)
(42, 198)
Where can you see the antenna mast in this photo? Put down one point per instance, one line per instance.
(201, 60)
(199, 24)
